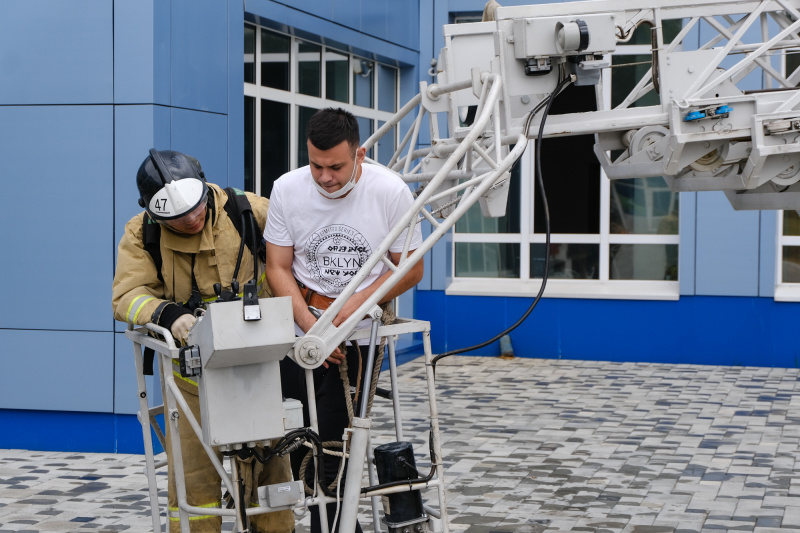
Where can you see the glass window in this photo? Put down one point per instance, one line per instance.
(309, 65)
(363, 82)
(643, 261)
(274, 143)
(249, 54)
(473, 220)
(386, 146)
(487, 260)
(788, 256)
(365, 131)
(643, 206)
(387, 92)
(275, 57)
(791, 264)
(336, 77)
(567, 261)
(303, 114)
(249, 143)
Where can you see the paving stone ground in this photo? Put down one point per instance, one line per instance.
(531, 446)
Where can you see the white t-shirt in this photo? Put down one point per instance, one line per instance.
(333, 238)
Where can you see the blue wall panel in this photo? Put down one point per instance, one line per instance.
(134, 39)
(727, 250)
(137, 128)
(58, 198)
(688, 237)
(71, 432)
(308, 20)
(693, 330)
(126, 390)
(402, 23)
(67, 370)
(768, 252)
(199, 55)
(141, 52)
(204, 136)
(351, 13)
(55, 52)
(235, 95)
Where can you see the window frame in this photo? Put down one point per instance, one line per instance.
(601, 288)
(295, 99)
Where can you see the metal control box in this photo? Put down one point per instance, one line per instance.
(239, 383)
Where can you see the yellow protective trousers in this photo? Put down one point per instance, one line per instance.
(203, 484)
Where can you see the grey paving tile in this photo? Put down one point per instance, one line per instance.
(531, 446)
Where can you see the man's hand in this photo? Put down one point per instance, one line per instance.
(180, 328)
(336, 358)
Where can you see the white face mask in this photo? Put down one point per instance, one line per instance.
(346, 188)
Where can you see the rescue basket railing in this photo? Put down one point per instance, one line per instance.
(173, 399)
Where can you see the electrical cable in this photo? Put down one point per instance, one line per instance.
(540, 184)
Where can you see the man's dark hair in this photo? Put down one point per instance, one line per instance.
(329, 127)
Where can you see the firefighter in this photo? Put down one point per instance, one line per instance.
(170, 256)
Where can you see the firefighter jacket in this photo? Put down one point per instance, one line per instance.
(137, 291)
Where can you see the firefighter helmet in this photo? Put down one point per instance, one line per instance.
(171, 184)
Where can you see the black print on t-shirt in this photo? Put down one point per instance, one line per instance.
(334, 255)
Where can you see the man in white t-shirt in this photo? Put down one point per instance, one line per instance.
(324, 221)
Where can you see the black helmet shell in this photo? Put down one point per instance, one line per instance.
(171, 184)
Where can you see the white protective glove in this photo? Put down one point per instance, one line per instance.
(180, 328)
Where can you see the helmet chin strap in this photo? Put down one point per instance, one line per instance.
(346, 188)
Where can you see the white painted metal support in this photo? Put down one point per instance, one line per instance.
(144, 419)
(355, 469)
(434, 416)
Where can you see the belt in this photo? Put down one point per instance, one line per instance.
(313, 298)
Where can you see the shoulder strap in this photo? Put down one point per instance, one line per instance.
(151, 235)
(236, 205)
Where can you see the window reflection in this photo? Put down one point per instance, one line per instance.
(791, 223)
(309, 64)
(274, 143)
(303, 114)
(643, 206)
(387, 89)
(643, 261)
(567, 261)
(363, 82)
(249, 143)
(791, 264)
(473, 220)
(249, 54)
(275, 57)
(386, 146)
(487, 260)
(365, 130)
(336, 76)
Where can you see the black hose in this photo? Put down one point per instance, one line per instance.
(285, 442)
(241, 250)
(540, 184)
